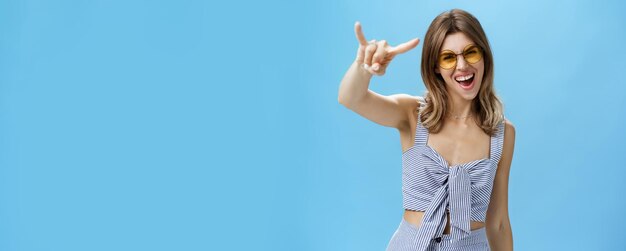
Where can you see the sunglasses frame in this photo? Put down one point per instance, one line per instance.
(456, 55)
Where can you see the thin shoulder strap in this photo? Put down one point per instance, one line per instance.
(420, 131)
(497, 142)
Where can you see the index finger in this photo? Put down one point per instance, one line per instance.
(402, 48)
(359, 33)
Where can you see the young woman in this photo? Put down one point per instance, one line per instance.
(457, 146)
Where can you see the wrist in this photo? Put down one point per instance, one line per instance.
(361, 70)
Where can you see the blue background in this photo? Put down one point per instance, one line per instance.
(206, 125)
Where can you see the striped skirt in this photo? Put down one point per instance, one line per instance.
(405, 239)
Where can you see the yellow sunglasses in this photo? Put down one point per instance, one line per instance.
(471, 54)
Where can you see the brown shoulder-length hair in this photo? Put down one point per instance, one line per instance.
(487, 105)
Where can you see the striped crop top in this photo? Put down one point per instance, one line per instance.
(429, 184)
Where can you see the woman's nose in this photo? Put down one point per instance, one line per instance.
(461, 64)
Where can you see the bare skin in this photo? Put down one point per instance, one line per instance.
(459, 141)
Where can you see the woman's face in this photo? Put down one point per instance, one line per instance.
(455, 86)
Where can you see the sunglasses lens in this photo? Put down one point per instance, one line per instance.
(447, 60)
(473, 54)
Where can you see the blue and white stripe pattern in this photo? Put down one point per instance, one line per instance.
(406, 239)
(429, 184)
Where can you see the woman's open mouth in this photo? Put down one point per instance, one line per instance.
(466, 82)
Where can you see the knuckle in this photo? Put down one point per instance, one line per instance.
(381, 52)
(378, 58)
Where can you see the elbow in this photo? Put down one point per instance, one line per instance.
(344, 100)
(341, 99)
(499, 227)
(349, 100)
(345, 96)
(494, 228)
(342, 96)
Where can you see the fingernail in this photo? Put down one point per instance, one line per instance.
(365, 66)
(375, 67)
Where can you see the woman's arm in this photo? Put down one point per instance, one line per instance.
(354, 93)
(497, 223)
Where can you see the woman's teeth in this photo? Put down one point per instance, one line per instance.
(463, 78)
(466, 82)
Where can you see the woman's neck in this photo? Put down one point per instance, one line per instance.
(460, 110)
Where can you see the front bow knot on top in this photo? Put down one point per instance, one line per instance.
(454, 194)
(431, 185)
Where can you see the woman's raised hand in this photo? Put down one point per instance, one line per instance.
(375, 56)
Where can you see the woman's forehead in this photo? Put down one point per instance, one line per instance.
(456, 42)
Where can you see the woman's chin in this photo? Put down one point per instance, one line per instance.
(466, 95)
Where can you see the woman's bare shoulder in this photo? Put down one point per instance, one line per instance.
(509, 128)
(409, 102)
